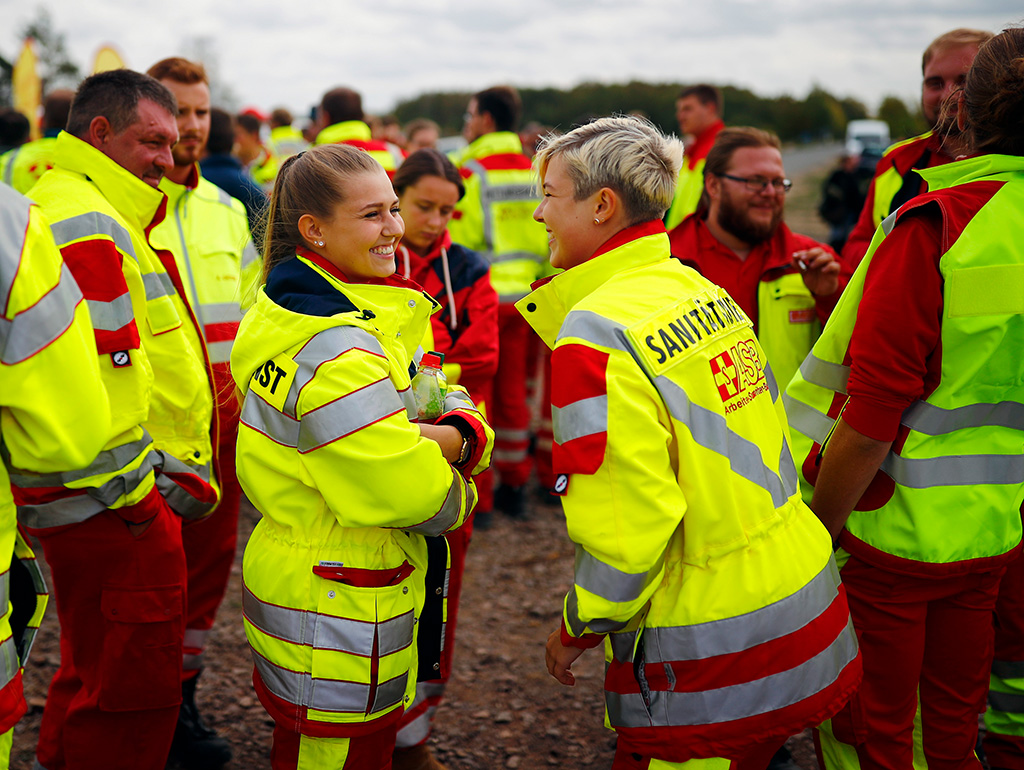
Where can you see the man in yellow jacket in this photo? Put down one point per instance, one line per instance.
(206, 230)
(51, 423)
(112, 533)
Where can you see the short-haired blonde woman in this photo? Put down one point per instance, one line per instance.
(711, 583)
(336, 573)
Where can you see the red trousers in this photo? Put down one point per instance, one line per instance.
(930, 635)
(509, 410)
(113, 703)
(1004, 720)
(292, 751)
(210, 553)
(755, 759)
(415, 725)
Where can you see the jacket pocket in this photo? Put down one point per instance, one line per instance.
(363, 647)
(140, 666)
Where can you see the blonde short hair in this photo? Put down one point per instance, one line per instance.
(626, 154)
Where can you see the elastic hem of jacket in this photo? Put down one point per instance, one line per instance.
(585, 642)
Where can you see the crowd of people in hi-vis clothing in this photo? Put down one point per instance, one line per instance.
(793, 476)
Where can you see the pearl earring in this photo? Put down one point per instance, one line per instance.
(597, 221)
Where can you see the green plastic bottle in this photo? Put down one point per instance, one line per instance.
(429, 387)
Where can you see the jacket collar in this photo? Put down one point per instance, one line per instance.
(971, 169)
(141, 205)
(554, 298)
(341, 132)
(175, 191)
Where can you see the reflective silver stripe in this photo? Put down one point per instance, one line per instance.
(1008, 669)
(511, 434)
(743, 632)
(158, 285)
(418, 730)
(581, 418)
(9, 168)
(936, 421)
(348, 414)
(67, 510)
(773, 385)
(445, 518)
(15, 214)
(512, 298)
(508, 455)
(224, 198)
(261, 416)
(36, 327)
(711, 431)
(409, 402)
(9, 663)
(958, 470)
(825, 374)
(593, 328)
(328, 694)
(326, 346)
(457, 399)
(740, 701)
(1011, 703)
(221, 312)
(113, 315)
(327, 632)
(107, 461)
(611, 583)
(807, 419)
(249, 254)
(597, 625)
(501, 193)
(5, 590)
(196, 637)
(889, 222)
(177, 497)
(219, 352)
(90, 224)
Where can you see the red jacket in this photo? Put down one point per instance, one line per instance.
(473, 342)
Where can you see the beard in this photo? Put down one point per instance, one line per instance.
(736, 220)
(186, 156)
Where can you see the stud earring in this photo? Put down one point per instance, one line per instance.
(319, 243)
(597, 221)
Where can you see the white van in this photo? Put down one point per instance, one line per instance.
(871, 137)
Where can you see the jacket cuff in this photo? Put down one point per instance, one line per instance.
(472, 428)
(585, 642)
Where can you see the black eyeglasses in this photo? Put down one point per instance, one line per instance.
(756, 184)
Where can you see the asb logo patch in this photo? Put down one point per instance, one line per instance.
(121, 359)
(561, 484)
(738, 372)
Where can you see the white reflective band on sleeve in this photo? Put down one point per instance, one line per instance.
(158, 285)
(113, 315)
(445, 518)
(585, 417)
(36, 327)
(348, 414)
(326, 346)
(91, 224)
(608, 582)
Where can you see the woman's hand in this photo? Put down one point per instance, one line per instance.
(446, 436)
(560, 658)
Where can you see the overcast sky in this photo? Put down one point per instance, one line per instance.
(281, 52)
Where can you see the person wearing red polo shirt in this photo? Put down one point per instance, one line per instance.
(698, 110)
(786, 283)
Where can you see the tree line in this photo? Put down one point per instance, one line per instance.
(819, 115)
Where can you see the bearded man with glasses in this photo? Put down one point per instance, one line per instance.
(786, 283)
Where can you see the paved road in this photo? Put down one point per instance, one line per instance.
(800, 159)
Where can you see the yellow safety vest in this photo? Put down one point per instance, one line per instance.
(155, 375)
(682, 498)
(334, 571)
(959, 474)
(286, 141)
(358, 134)
(22, 166)
(495, 217)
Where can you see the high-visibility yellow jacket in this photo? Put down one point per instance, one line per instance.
(286, 141)
(495, 217)
(948, 495)
(334, 571)
(714, 582)
(54, 413)
(358, 134)
(207, 232)
(22, 166)
(150, 354)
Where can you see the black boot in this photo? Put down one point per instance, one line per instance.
(196, 746)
